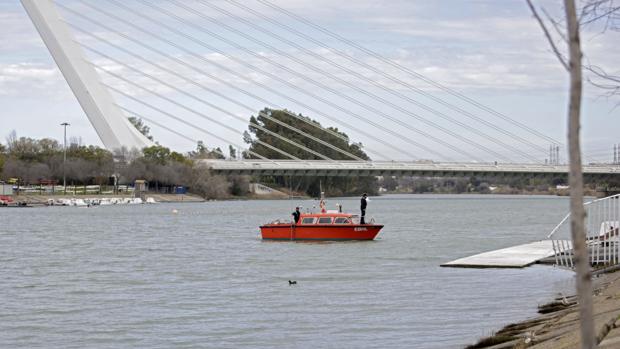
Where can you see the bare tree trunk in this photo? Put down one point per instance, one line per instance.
(582, 266)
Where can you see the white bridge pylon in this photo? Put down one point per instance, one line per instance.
(110, 123)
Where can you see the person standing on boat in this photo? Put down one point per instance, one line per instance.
(296, 215)
(363, 205)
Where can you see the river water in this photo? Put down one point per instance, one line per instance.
(145, 277)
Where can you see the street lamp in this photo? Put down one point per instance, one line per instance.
(64, 161)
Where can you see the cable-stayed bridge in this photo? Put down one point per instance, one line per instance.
(199, 69)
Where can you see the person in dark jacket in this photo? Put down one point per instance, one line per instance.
(296, 215)
(363, 205)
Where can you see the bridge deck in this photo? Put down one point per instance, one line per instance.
(382, 168)
(512, 257)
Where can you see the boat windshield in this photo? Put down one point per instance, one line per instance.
(308, 220)
(342, 220)
(325, 220)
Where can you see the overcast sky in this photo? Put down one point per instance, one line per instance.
(491, 51)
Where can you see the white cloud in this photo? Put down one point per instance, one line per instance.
(17, 78)
(498, 50)
(17, 33)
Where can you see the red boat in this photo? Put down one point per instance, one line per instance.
(321, 226)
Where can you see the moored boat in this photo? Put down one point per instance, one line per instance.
(321, 226)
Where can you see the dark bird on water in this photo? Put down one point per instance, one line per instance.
(292, 282)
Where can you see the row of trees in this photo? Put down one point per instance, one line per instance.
(34, 161)
(31, 160)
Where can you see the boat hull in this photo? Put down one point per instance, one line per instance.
(320, 232)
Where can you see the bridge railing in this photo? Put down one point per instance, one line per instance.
(258, 165)
(602, 227)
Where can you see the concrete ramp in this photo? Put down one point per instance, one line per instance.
(265, 191)
(512, 257)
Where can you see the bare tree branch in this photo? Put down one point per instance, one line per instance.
(548, 35)
(599, 72)
(594, 10)
(556, 25)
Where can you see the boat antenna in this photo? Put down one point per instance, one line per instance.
(290, 190)
(290, 200)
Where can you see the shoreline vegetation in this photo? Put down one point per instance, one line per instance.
(42, 199)
(28, 162)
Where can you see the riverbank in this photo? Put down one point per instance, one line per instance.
(509, 191)
(558, 326)
(273, 194)
(37, 200)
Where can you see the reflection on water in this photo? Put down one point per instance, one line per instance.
(142, 276)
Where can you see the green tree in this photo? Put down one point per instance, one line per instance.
(273, 121)
(202, 152)
(32, 160)
(266, 119)
(156, 154)
(141, 126)
(2, 156)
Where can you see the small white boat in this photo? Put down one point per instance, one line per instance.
(63, 202)
(78, 202)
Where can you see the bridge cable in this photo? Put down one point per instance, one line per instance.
(250, 94)
(409, 71)
(359, 76)
(151, 121)
(283, 67)
(169, 115)
(388, 144)
(195, 83)
(202, 43)
(212, 106)
(384, 74)
(237, 74)
(375, 70)
(186, 108)
(202, 101)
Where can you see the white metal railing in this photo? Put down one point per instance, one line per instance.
(602, 234)
(249, 165)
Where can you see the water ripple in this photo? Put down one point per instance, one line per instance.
(142, 277)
